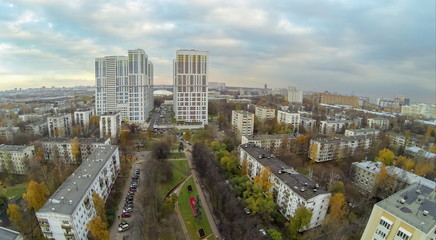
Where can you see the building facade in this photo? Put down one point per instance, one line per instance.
(290, 189)
(242, 122)
(406, 215)
(68, 211)
(125, 84)
(328, 149)
(8, 133)
(362, 132)
(333, 126)
(292, 119)
(82, 117)
(110, 124)
(14, 158)
(190, 72)
(420, 110)
(335, 99)
(294, 95)
(62, 149)
(263, 113)
(37, 129)
(60, 126)
(270, 143)
(377, 123)
(308, 124)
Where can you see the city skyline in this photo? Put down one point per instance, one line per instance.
(373, 49)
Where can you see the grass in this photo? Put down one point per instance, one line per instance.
(180, 171)
(15, 192)
(192, 223)
(177, 155)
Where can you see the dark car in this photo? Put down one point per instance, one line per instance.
(126, 215)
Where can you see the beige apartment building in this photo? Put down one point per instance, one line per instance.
(263, 113)
(242, 122)
(335, 99)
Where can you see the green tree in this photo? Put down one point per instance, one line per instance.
(386, 156)
(337, 187)
(299, 221)
(274, 234)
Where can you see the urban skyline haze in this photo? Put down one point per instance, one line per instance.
(371, 48)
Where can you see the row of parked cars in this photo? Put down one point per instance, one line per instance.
(128, 202)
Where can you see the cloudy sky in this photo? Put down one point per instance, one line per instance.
(377, 48)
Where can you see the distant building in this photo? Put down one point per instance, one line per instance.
(59, 126)
(191, 70)
(377, 123)
(294, 95)
(328, 149)
(14, 158)
(334, 126)
(217, 85)
(68, 211)
(308, 123)
(82, 117)
(270, 143)
(406, 215)
(62, 149)
(419, 152)
(335, 99)
(400, 140)
(110, 124)
(263, 113)
(37, 129)
(420, 111)
(362, 132)
(8, 234)
(8, 133)
(31, 117)
(365, 173)
(124, 84)
(290, 189)
(289, 118)
(243, 122)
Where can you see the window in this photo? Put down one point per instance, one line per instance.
(385, 224)
(402, 234)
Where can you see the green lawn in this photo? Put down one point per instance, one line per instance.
(14, 192)
(177, 155)
(192, 223)
(179, 173)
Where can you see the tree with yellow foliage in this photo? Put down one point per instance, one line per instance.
(263, 179)
(98, 228)
(405, 163)
(36, 195)
(75, 149)
(313, 151)
(338, 207)
(386, 156)
(99, 206)
(15, 214)
(423, 167)
(244, 167)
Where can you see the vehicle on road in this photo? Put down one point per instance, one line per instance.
(123, 227)
(126, 215)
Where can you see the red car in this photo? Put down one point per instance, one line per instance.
(126, 215)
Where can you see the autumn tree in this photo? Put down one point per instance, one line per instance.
(36, 195)
(15, 214)
(284, 146)
(263, 179)
(75, 149)
(230, 163)
(98, 228)
(99, 206)
(299, 222)
(337, 187)
(302, 143)
(386, 156)
(187, 136)
(405, 163)
(423, 167)
(313, 151)
(274, 234)
(338, 207)
(244, 167)
(385, 184)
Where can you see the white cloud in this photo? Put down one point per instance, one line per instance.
(292, 28)
(27, 17)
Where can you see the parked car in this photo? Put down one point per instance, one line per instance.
(123, 228)
(127, 210)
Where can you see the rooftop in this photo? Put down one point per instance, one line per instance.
(337, 121)
(301, 184)
(60, 115)
(272, 136)
(242, 111)
(370, 166)
(66, 198)
(8, 234)
(363, 130)
(12, 148)
(414, 205)
(340, 139)
(110, 114)
(81, 140)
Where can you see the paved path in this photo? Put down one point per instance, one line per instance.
(135, 221)
(209, 215)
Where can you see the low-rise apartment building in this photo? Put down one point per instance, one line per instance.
(292, 119)
(110, 124)
(60, 126)
(263, 113)
(242, 122)
(328, 149)
(419, 152)
(8, 133)
(68, 211)
(290, 189)
(82, 117)
(333, 126)
(377, 123)
(362, 132)
(270, 143)
(400, 140)
(406, 215)
(62, 149)
(308, 123)
(37, 129)
(14, 158)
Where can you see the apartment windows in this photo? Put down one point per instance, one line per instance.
(402, 234)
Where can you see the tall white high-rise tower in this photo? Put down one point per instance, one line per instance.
(124, 84)
(190, 86)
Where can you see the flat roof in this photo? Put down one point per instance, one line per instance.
(340, 139)
(8, 234)
(81, 140)
(294, 180)
(363, 130)
(271, 136)
(66, 198)
(373, 167)
(417, 199)
(12, 148)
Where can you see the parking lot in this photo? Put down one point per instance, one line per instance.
(128, 224)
